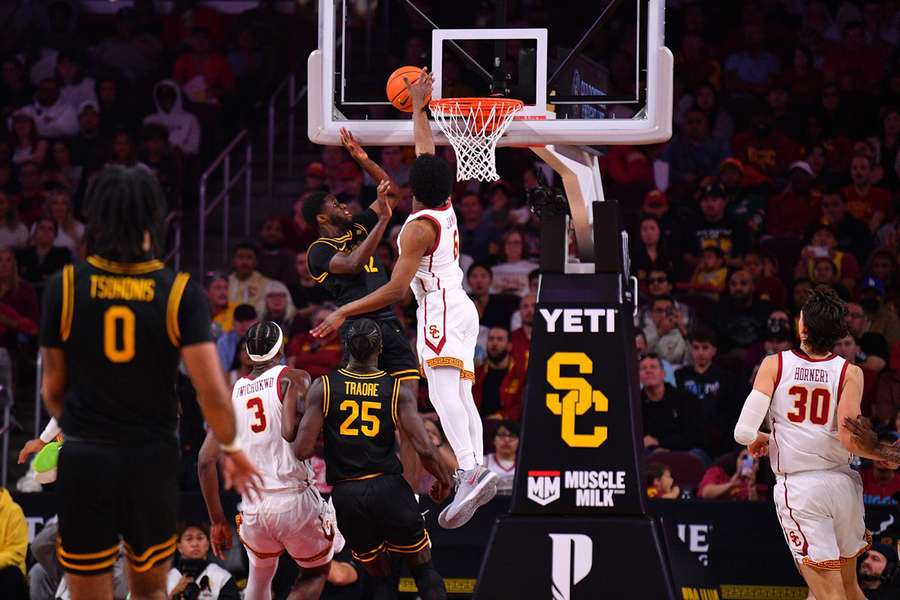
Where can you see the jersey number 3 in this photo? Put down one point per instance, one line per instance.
(260, 414)
(818, 400)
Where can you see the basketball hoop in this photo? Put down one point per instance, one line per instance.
(473, 126)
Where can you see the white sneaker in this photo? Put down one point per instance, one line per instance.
(475, 487)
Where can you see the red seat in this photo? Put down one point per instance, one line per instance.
(687, 469)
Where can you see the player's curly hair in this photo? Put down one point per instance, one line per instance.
(431, 180)
(120, 205)
(824, 319)
(363, 339)
(312, 207)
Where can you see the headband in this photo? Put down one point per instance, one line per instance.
(258, 358)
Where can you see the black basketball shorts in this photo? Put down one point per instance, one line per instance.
(108, 492)
(379, 515)
(397, 356)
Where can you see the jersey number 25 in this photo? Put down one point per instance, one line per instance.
(817, 399)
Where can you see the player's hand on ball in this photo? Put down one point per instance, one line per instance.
(331, 324)
(356, 151)
(30, 447)
(220, 539)
(420, 89)
(240, 474)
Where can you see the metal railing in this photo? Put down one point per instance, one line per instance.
(229, 182)
(173, 222)
(294, 97)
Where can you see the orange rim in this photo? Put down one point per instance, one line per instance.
(481, 110)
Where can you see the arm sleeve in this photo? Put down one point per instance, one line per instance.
(319, 257)
(193, 316)
(367, 219)
(50, 335)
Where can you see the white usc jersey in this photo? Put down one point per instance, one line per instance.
(439, 269)
(257, 409)
(803, 414)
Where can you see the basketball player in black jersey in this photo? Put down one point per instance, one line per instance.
(113, 331)
(361, 407)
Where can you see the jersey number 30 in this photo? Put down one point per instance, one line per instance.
(818, 400)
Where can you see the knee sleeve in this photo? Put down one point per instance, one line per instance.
(429, 582)
(444, 392)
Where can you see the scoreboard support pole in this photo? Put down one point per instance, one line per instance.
(578, 527)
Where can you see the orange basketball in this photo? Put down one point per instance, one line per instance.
(396, 88)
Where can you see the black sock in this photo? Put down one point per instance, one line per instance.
(429, 582)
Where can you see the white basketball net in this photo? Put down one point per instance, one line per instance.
(473, 126)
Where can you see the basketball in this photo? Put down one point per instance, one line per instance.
(396, 88)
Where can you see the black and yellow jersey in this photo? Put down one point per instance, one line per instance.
(344, 289)
(360, 421)
(121, 326)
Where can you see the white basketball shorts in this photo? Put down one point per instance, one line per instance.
(821, 514)
(447, 331)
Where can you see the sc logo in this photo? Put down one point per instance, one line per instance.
(580, 398)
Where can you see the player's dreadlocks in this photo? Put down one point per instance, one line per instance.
(363, 339)
(121, 204)
(824, 318)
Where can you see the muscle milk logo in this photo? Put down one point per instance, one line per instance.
(697, 539)
(543, 486)
(573, 556)
(580, 320)
(595, 488)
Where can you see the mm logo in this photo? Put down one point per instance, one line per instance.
(543, 486)
(579, 399)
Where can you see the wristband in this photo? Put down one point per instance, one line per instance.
(50, 431)
(234, 446)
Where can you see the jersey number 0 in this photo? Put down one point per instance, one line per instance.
(118, 318)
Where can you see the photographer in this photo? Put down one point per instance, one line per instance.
(193, 576)
(878, 572)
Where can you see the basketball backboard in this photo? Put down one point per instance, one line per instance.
(588, 71)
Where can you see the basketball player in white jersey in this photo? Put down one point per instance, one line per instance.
(812, 400)
(287, 514)
(447, 319)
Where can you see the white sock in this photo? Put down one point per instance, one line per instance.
(476, 428)
(259, 582)
(444, 390)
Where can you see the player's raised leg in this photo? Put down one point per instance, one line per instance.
(852, 590)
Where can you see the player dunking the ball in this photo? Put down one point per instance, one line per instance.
(447, 319)
(812, 400)
(113, 330)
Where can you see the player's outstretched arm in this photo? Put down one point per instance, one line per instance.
(411, 423)
(756, 407)
(311, 424)
(371, 167)
(417, 238)
(220, 533)
(294, 384)
(356, 260)
(854, 431)
(53, 380)
(418, 91)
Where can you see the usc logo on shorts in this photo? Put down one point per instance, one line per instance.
(580, 398)
(795, 539)
(434, 331)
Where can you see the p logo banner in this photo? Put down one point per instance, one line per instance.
(573, 557)
(581, 397)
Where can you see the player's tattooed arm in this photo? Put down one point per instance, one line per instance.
(358, 258)
(854, 431)
(293, 386)
(53, 381)
(411, 423)
(374, 170)
(311, 423)
(865, 439)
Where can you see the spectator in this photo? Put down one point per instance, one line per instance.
(316, 356)
(307, 295)
(510, 274)
(192, 569)
(740, 315)
(117, 113)
(889, 146)
(123, 151)
(521, 337)
(13, 234)
(53, 117)
(275, 261)
(241, 365)
(246, 284)
(494, 310)
(881, 318)
(31, 198)
(59, 208)
(803, 80)
(658, 284)
(695, 64)
(710, 273)
(76, 88)
(667, 338)
(227, 344)
(42, 258)
(763, 268)
(853, 57)
(869, 204)
(13, 548)
(278, 306)
(714, 228)
(499, 213)
(745, 202)
(27, 144)
(659, 483)
(791, 212)
(165, 163)
(89, 144)
(719, 483)
(876, 571)
(221, 310)
(713, 387)
(502, 460)
(422, 479)
(656, 204)
(183, 126)
(752, 70)
(301, 234)
(823, 245)
(651, 252)
(62, 170)
(883, 265)
(706, 99)
(15, 89)
(694, 153)
(852, 235)
(671, 418)
(203, 74)
(133, 55)
(500, 381)
(764, 147)
(475, 232)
